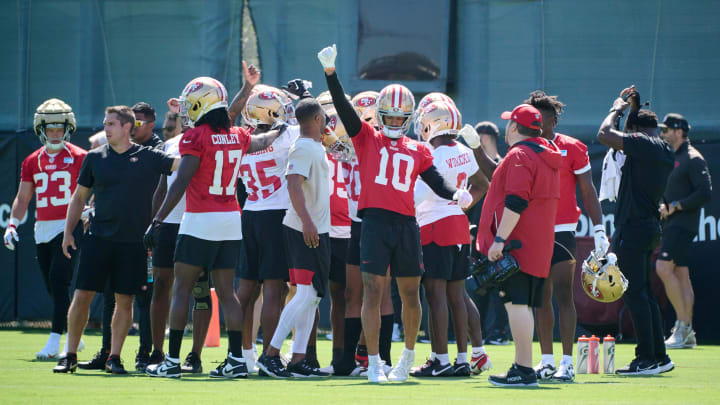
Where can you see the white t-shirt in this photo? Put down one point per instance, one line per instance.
(307, 158)
(456, 164)
(175, 216)
(263, 174)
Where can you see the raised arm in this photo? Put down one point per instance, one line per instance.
(345, 111)
(252, 77)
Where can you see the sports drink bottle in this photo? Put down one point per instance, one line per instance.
(581, 366)
(594, 355)
(609, 354)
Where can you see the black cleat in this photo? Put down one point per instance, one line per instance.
(272, 366)
(461, 369)
(192, 364)
(434, 369)
(305, 369)
(142, 359)
(640, 367)
(343, 369)
(167, 369)
(156, 357)
(115, 366)
(97, 362)
(67, 364)
(665, 364)
(230, 368)
(515, 377)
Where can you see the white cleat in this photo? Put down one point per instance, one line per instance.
(401, 371)
(376, 374)
(47, 353)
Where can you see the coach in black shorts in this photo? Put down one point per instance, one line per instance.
(648, 163)
(120, 174)
(688, 189)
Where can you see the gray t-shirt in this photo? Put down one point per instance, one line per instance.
(307, 158)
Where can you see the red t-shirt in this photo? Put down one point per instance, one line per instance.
(54, 178)
(388, 170)
(575, 161)
(530, 173)
(339, 219)
(212, 188)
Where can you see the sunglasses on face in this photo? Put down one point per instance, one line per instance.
(664, 130)
(139, 123)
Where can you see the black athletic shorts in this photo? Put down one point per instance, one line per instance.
(565, 247)
(675, 247)
(446, 262)
(57, 269)
(122, 265)
(308, 266)
(353, 249)
(208, 254)
(523, 289)
(390, 239)
(164, 252)
(264, 246)
(338, 255)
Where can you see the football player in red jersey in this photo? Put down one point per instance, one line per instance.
(389, 165)
(51, 173)
(445, 239)
(575, 172)
(210, 231)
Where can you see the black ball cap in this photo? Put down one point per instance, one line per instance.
(675, 121)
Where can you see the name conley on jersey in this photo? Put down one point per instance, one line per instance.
(225, 139)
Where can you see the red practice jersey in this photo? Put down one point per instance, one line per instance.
(54, 179)
(351, 177)
(389, 169)
(529, 171)
(575, 161)
(339, 219)
(212, 211)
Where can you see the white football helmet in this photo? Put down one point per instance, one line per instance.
(200, 96)
(602, 279)
(395, 100)
(54, 113)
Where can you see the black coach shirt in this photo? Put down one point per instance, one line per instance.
(644, 176)
(123, 185)
(690, 185)
(154, 142)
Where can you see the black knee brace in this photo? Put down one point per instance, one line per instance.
(201, 293)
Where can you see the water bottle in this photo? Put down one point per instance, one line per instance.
(581, 367)
(150, 278)
(594, 355)
(609, 354)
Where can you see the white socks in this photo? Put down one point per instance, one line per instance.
(567, 360)
(478, 350)
(444, 359)
(548, 359)
(462, 358)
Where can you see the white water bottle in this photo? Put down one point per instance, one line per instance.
(581, 367)
(609, 355)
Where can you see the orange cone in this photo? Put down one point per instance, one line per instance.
(213, 335)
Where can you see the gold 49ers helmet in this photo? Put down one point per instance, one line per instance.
(54, 113)
(336, 140)
(326, 101)
(267, 106)
(365, 104)
(602, 279)
(439, 118)
(395, 100)
(424, 102)
(200, 96)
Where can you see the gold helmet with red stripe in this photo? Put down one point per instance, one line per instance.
(424, 102)
(439, 118)
(336, 140)
(395, 100)
(200, 96)
(266, 106)
(365, 104)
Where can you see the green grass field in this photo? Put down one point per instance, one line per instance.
(25, 380)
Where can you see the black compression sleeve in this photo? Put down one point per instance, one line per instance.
(434, 180)
(515, 203)
(345, 111)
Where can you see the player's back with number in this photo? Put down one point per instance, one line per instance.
(54, 178)
(210, 196)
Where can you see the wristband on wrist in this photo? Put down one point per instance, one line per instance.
(599, 228)
(500, 240)
(14, 222)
